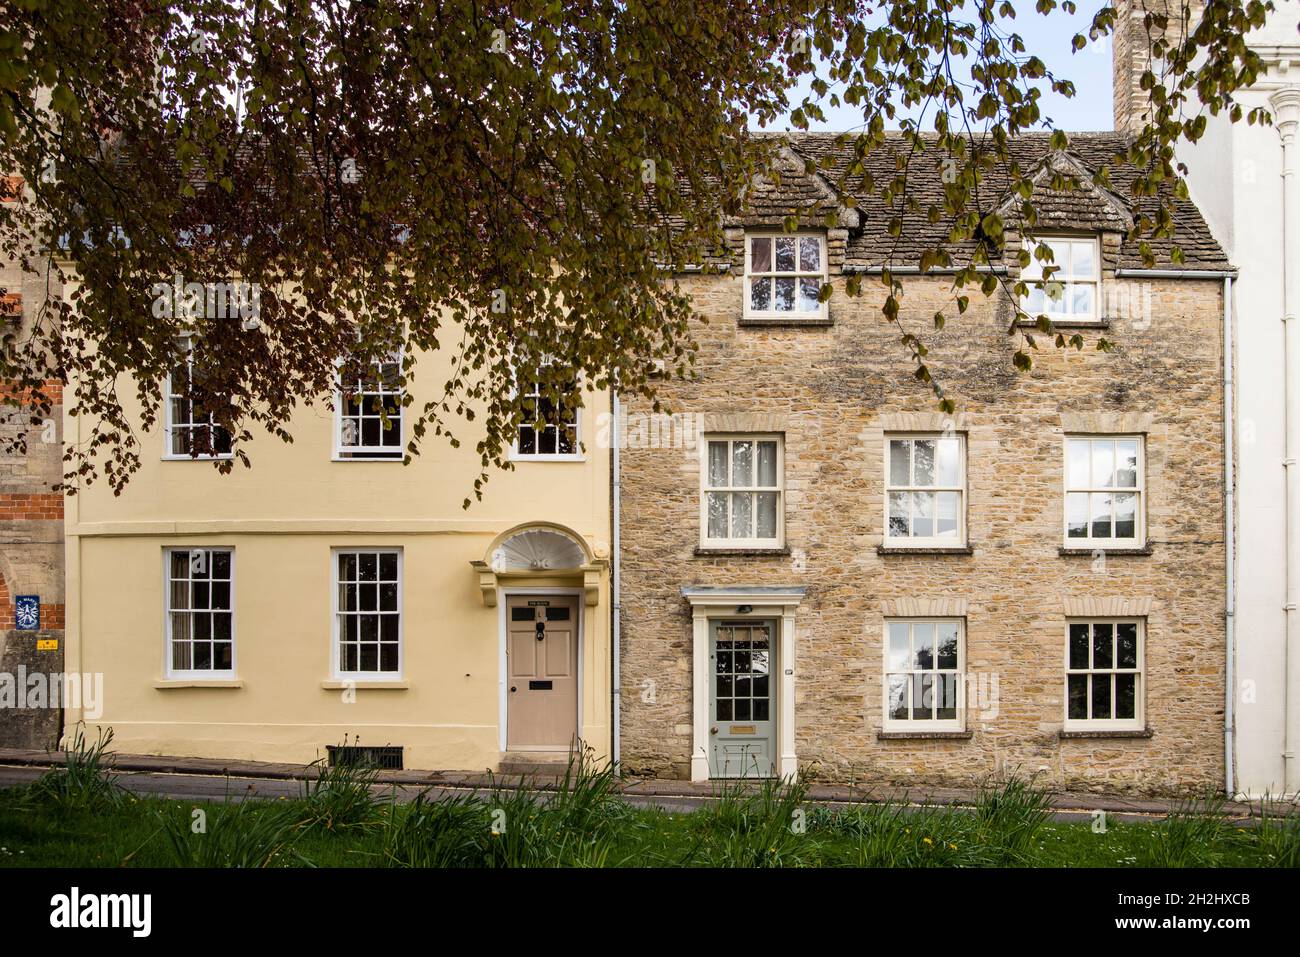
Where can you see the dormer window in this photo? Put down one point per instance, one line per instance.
(1072, 292)
(784, 275)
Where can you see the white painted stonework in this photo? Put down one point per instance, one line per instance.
(1245, 181)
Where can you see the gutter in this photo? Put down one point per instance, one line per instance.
(1002, 271)
(1230, 524)
(1176, 273)
(851, 268)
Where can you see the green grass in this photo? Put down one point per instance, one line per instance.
(342, 821)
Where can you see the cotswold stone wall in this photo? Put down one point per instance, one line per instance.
(834, 391)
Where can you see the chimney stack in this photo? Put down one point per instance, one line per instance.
(1131, 53)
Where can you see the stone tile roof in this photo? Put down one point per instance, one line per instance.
(1087, 208)
(810, 196)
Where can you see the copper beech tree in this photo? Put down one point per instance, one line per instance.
(513, 183)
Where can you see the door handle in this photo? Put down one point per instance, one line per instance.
(513, 689)
(713, 730)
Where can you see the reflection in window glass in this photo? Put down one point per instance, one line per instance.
(1103, 495)
(923, 678)
(742, 494)
(1071, 292)
(785, 274)
(741, 674)
(926, 489)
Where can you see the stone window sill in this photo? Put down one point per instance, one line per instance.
(365, 685)
(812, 322)
(1089, 552)
(924, 550)
(1139, 733)
(701, 552)
(169, 684)
(924, 735)
(1058, 325)
(547, 457)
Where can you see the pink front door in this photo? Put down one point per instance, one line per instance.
(541, 672)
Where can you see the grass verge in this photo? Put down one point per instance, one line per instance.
(77, 816)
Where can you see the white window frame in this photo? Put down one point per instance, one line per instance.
(577, 455)
(705, 488)
(774, 273)
(196, 674)
(346, 453)
(1064, 274)
(922, 725)
(930, 541)
(1138, 721)
(336, 669)
(170, 425)
(1139, 540)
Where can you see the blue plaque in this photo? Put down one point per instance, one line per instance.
(27, 612)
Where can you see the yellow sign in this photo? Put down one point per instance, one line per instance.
(47, 644)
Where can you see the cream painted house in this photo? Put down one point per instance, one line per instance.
(331, 596)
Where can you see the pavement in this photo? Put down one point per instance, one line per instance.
(212, 779)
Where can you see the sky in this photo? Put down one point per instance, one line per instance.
(1049, 38)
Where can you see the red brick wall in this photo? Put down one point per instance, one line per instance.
(18, 507)
(52, 388)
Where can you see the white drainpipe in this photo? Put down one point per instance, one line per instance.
(616, 435)
(1286, 117)
(1229, 521)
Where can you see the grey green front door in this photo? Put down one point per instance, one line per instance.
(741, 720)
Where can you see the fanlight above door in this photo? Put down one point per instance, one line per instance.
(537, 550)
